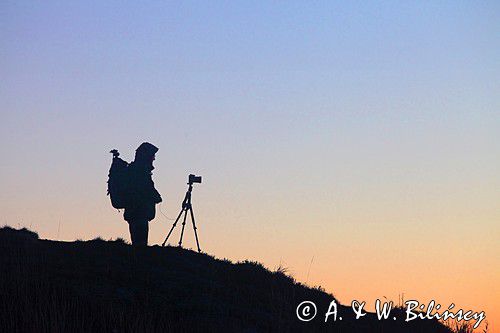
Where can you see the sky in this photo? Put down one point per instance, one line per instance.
(355, 143)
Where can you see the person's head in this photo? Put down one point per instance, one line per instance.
(145, 153)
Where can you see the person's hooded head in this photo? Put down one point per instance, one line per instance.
(145, 154)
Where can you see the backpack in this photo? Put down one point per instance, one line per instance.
(118, 181)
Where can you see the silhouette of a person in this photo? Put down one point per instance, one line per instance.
(143, 195)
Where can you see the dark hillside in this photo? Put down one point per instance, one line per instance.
(107, 286)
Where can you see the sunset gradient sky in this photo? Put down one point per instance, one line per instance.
(356, 143)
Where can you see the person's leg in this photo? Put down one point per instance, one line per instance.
(142, 229)
(133, 232)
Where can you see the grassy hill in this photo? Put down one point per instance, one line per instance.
(108, 286)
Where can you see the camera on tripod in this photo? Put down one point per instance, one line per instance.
(194, 179)
(186, 207)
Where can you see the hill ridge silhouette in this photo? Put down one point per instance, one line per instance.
(97, 285)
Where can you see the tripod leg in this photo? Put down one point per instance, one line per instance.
(173, 226)
(183, 225)
(194, 227)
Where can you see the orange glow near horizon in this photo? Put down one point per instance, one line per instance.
(350, 259)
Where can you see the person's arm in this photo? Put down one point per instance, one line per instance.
(153, 194)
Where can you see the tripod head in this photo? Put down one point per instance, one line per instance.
(186, 204)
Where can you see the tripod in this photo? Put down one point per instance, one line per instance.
(186, 206)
